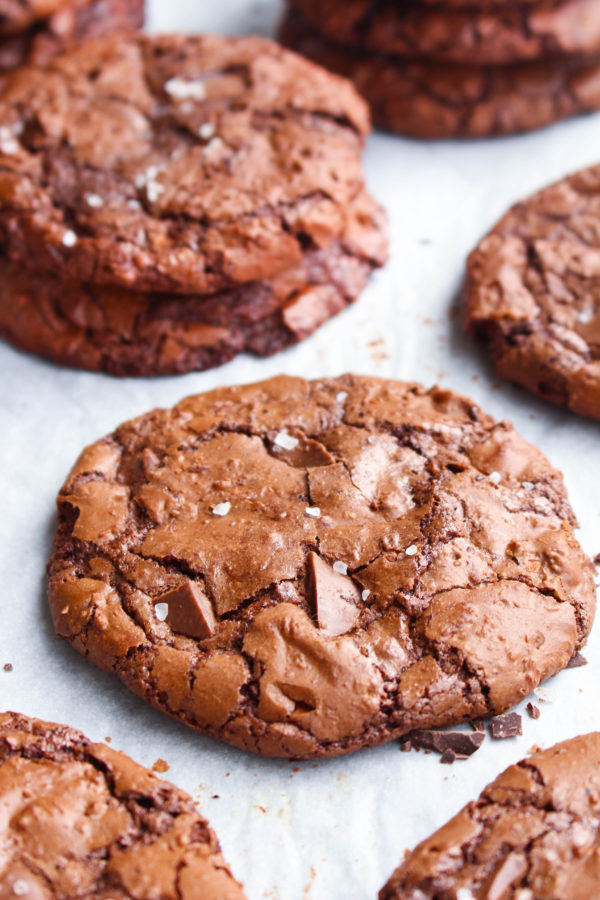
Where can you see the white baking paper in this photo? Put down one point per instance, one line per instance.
(332, 830)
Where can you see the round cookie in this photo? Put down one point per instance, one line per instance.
(81, 820)
(533, 833)
(430, 100)
(71, 23)
(128, 333)
(532, 294)
(306, 568)
(206, 162)
(475, 36)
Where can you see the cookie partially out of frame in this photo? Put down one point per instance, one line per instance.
(424, 99)
(510, 33)
(186, 164)
(532, 834)
(306, 568)
(126, 333)
(81, 820)
(532, 295)
(71, 23)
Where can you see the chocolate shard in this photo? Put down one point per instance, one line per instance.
(190, 611)
(533, 710)
(577, 660)
(477, 724)
(334, 597)
(508, 875)
(507, 726)
(461, 743)
(448, 757)
(306, 452)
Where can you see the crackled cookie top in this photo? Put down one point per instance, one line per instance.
(304, 568)
(533, 834)
(429, 99)
(475, 35)
(81, 820)
(176, 163)
(533, 293)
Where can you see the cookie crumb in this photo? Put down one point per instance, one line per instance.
(507, 726)
(160, 766)
(8, 667)
(533, 710)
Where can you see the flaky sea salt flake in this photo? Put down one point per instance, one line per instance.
(69, 238)
(206, 131)
(340, 567)
(161, 611)
(495, 477)
(313, 511)
(221, 509)
(286, 441)
(366, 594)
(411, 551)
(185, 90)
(94, 200)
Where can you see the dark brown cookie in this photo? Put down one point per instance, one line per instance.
(174, 163)
(476, 36)
(71, 23)
(532, 293)
(533, 833)
(126, 333)
(428, 100)
(80, 820)
(307, 568)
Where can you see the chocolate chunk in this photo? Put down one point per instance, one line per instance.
(533, 710)
(333, 596)
(576, 661)
(448, 757)
(506, 726)
(296, 449)
(461, 743)
(477, 724)
(190, 611)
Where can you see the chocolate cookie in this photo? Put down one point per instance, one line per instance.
(532, 293)
(306, 568)
(80, 820)
(533, 833)
(71, 23)
(126, 333)
(477, 36)
(433, 100)
(176, 164)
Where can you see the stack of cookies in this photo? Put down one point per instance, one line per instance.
(458, 68)
(34, 31)
(168, 202)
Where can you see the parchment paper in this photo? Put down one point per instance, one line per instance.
(336, 829)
